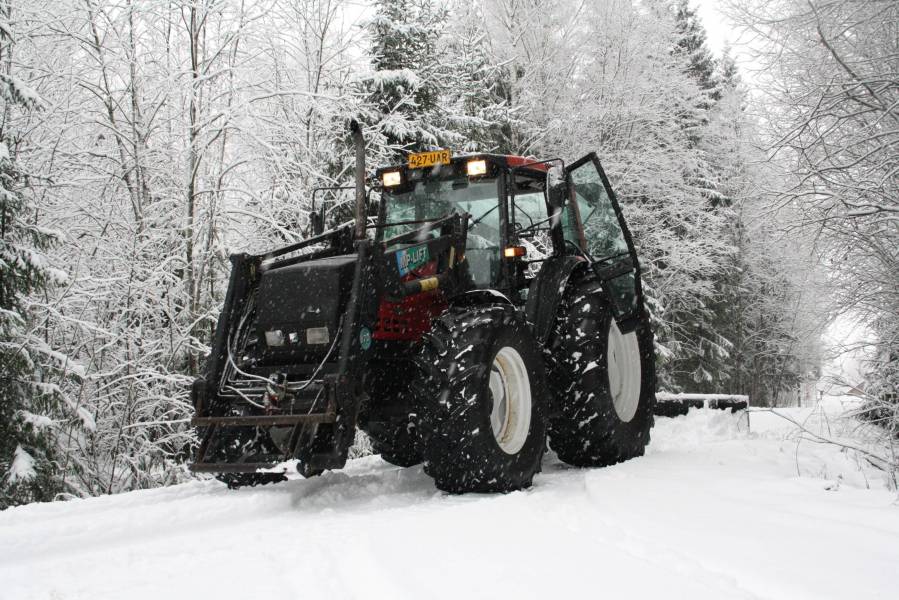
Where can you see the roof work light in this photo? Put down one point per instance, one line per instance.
(477, 167)
(392, 178)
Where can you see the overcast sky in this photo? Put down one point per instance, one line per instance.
(721, 33)
(719, 29)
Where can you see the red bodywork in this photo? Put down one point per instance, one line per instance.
(518, 161)
(410, 318)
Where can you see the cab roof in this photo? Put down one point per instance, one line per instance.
(509, 161)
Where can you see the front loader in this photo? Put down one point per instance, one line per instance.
(483, 304)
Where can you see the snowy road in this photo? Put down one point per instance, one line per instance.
(712, 511)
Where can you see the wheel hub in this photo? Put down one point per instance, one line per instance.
(624, 372)
(510, 391)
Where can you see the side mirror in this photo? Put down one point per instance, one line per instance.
(316, 223)
(555, 186)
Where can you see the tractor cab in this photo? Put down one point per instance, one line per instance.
(520, 213)
(504, 234)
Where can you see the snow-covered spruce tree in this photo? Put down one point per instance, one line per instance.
(692, 44)
(404, 87)
(28, 402)
(701, 363)
(726, 143)
(633, 99)
(770, 305)
(737, 340)
(474, 99)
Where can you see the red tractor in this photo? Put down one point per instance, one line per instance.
(492, 303)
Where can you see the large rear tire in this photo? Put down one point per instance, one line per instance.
(602, 381)
(481, 400)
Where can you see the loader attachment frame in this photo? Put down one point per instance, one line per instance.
(214, 416)
(317, 426)
(319, 440)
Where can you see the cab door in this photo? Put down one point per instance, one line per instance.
(593, 222)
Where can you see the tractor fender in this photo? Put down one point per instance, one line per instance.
(546, 291)
(479, 298)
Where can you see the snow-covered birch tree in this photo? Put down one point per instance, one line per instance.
(831, 70)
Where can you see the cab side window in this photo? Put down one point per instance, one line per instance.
(602, 232)
(590, 221)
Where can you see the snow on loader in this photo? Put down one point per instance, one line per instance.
(493, 301)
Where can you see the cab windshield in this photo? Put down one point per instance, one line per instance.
(432, 199)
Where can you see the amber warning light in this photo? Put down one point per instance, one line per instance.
(514, 251)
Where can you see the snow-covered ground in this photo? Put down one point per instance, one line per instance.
(712, 511)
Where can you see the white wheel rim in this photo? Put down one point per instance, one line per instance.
(510, 390)
(624, 372)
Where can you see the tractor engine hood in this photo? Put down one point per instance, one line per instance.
(299, 308)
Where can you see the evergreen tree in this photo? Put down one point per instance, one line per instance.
(475, 103)
(692, 45)
(404, 87)
(721, 180)
(435, 82)
(752, 341)
(699, 361)
(724, 146)
(27, 471)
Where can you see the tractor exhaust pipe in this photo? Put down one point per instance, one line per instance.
(361, 213)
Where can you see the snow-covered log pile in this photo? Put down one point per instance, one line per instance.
(672, 404)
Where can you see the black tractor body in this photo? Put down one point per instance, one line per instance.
(360, 326)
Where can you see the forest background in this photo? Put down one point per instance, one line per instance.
(143, 141)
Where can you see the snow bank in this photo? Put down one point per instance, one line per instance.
(714, 510)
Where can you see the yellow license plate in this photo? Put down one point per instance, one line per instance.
(420, 160)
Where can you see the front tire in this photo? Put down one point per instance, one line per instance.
(394, 441)
(602, 381)
(387, 421)
(482, 401)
